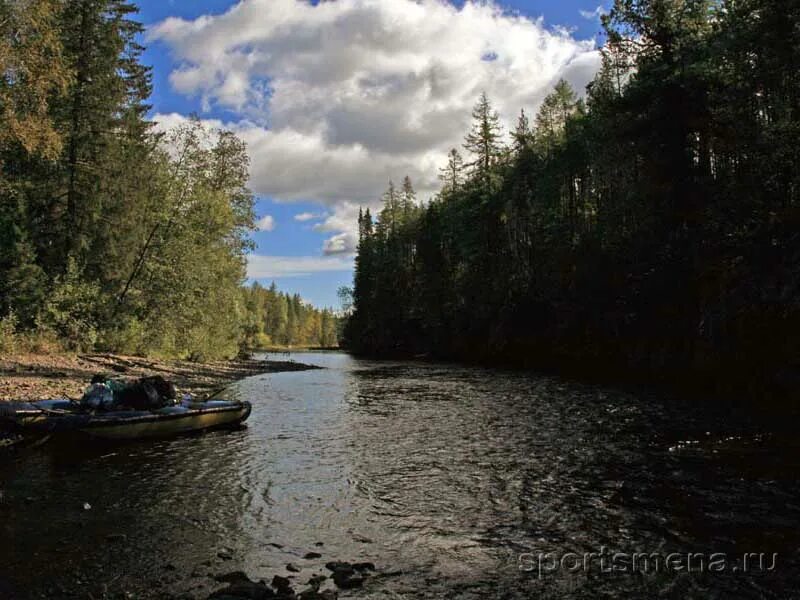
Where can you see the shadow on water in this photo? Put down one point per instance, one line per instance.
(450, 479)
(78, 517)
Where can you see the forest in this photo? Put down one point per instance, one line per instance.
(277, 319)
(113, 236)
(647, 231)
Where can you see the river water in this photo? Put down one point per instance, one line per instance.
(456, 482)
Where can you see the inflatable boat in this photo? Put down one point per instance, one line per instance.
(50, 417)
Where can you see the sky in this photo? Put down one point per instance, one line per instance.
(335, 99)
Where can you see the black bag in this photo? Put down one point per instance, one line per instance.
(148, 393)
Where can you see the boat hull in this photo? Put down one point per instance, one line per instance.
(168, 425)
(56, 417)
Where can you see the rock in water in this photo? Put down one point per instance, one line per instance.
(9, 439)
(312, 594)
(316, 581)
(349, 575)
(241, 588)
(225, 554)
(244, 591)
(362, 539)
(233, 577)
(282, 585)
(348, 580)
(337, 565)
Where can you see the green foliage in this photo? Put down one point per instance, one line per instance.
(23, 285)
(8, 334)
(272, 318)
(113, 236)
(128, 335)
(452, 176)
(70, 309)
(649, 231)
(182, 279)
(32, 70)
(483, 140)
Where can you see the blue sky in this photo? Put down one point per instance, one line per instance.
(349, 158)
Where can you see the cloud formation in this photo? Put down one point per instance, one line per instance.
(337, 98)
(593, 15)
(307, 216)
(265, 223)
(274, 267)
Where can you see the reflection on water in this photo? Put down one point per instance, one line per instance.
(443, 476)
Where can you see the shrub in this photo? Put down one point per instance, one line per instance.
(40, 341)
(8, 334)
(69, 311)
(127, 337)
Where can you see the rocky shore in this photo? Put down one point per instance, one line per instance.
(40, 376)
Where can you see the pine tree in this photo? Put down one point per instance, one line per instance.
(484, 139)
(106, 104)
(637, 226)
(23, 283)
(554, 114)
(390, 217)
(104, 235)
(523, 136)
(32, 73)
(409, 200)
(452, 175)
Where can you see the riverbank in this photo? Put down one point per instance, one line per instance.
(38, 376)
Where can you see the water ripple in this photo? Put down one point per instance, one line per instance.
(441, 475)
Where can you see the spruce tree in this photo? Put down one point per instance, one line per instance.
(523, 136)
(408, 201)
(452, 175)
(484, 138)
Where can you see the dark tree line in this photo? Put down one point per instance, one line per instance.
(650, 230)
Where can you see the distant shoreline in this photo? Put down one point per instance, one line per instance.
(38, 376)
(290, 349)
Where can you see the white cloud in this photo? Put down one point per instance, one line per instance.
(273, 267)
(341, 243)
(265, 223)
(593, 15)
(337, 98)
(307, 216)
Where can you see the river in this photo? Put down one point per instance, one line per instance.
(456, 482)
